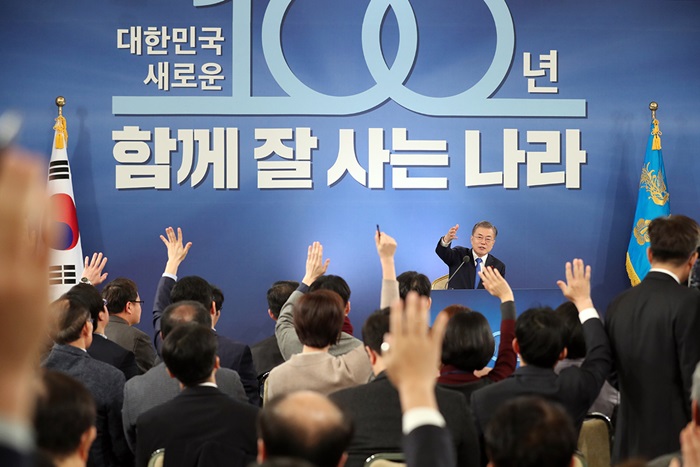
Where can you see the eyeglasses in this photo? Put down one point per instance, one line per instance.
(482, 238)
(138, 301)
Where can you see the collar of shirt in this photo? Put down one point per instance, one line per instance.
(207, 383)
(99, 334)
(483, 259)
(666, 271)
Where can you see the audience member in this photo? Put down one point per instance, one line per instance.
(202, 425)
(394, 287)
(529, 431)
(102, 348)
(609, 398)
(338, 285)
(92, 270)
(287, 338)
(376, 410)
(124, 305)
(266, 353)
(540, 344)
(304, 425)
(232, 354)
(318, 320)
(468, 345)
(156, 386)
(64, 420)
(411, 355)
(653, 330)
(71, 329)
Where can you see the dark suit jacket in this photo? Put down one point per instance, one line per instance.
(234, 355)
(464, 279)
(429, 445)
(105, 350)
(376, 411)
(654, 331)
(106, 384)
(200, 427)
(575, 388)
(266, 355)
(132, 339)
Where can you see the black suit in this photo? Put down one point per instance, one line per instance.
(429, 445)
(376, 411)
(266, 355)
(654, 331)
(233, 355)
(200, 427)
(575, 388)
(105, 350)
(465, 277)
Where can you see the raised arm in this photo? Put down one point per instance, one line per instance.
(177, 252)
(92, 270)
(447, 254)
(497, 286)
(386, 248)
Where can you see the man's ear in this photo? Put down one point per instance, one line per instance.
(217, 363)
(272, 317)
(262, 453)
(347, 308)
(86, 441)
(371, 354)
(650, 257)
(516, 346)
(170, 372)
(343, 460)
(563, 353)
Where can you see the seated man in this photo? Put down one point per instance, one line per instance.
(304, 425)
(234, 355)
(318, 320)
(539, 342)
(530, 432)
(266, 353)
(202, 425)
(156, 386)
(102, 348)
(64, 420)
(124, 306)
(71, 329)
(376, 411)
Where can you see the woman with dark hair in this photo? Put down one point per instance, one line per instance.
(468, 345)
(318, 321)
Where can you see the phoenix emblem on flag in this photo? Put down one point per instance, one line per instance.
(655, 185)
(641, 231)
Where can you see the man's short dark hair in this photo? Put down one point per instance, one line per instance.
(376, 325)
(64, 411)
(192, 288)
(218, 296)
(574, 341)
(278, 294)
(89, 297)
(468, 343)
(318, 318)
(335, 283)
(540, 336)
(68, 316)
(673, 239)
(413, 281)
(485, 225)
(189, 352)
(186, 311)
(287, 433)
(530, 432)
(118, 293)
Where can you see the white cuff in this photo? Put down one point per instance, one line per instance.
(172, 276)
(420, 416)
(442, 242)
(588, 313)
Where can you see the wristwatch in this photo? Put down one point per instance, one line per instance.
(85, 280)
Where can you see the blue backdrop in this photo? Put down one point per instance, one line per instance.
(549, 148)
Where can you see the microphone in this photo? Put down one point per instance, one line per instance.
(464, 260)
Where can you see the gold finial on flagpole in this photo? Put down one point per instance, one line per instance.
(653, 106)
(60, 102)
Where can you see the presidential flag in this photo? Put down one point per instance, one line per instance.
(66, 264)
(652, 202)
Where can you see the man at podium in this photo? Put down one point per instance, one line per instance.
(464, 262)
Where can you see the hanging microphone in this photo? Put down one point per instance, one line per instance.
(464, 260)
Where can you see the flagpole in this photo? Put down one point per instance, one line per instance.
(61, 101)
(653, 106)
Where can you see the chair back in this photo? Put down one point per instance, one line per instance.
(440, 283)
(157, 458)
(386, 459)
(595, 440)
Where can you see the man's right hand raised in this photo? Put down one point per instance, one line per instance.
(177, 250)
(451, 234)
(315, 266)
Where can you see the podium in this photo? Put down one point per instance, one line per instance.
(489, 306)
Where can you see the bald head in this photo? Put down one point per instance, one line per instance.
(305, 425)
(186, 311)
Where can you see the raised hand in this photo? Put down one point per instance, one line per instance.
(451, 234)
(495, 284)
(577, 287)
(315, 266)
(93, 268)
(177, 250)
